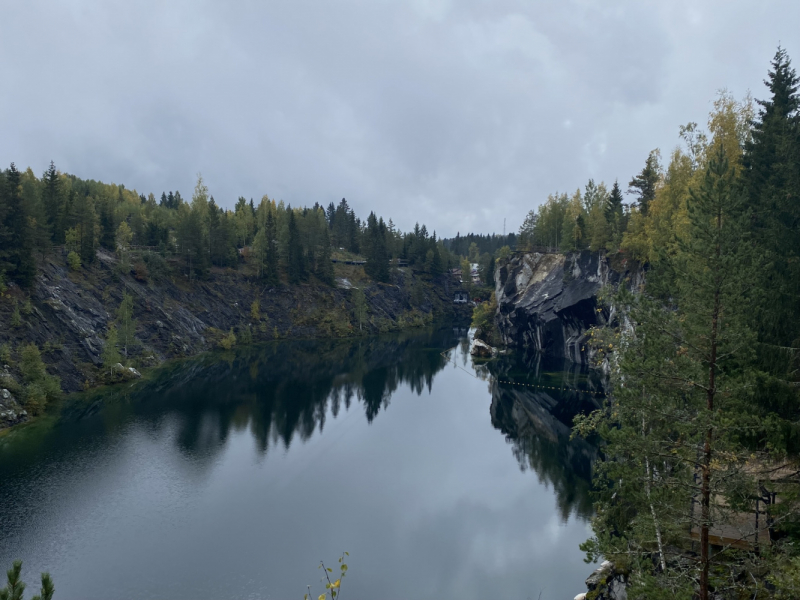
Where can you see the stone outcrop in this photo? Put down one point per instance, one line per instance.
(481, 349)
(67, 314)
(548, 302)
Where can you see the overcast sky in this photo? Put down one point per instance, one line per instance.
(457, 114)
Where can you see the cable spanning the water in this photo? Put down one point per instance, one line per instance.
(557, 388)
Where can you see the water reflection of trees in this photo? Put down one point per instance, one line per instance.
(537, 423)
(287, 390)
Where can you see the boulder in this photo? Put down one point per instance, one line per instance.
(607, 583)
(481, 349)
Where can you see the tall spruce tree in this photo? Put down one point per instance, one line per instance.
(772, 183)
(53, 200)
(644, 184)
(16, 236)
(674, 468)
(377, 265)
(295, 263)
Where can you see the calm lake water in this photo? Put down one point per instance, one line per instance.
(233, 475)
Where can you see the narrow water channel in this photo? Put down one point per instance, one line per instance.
(233, 475)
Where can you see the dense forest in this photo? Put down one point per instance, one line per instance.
(278, 242)
(698, 489)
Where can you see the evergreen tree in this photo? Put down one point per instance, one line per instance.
(87, 227)
(126, 324)
(772, 183)
(295, 265)
(192, 242)
(377, 265)
(680, 404)
(107, 225)
(16, 236)
(324, 271)
(644, 184)
(222, 252)
(111, 355)
(15, 587)
(271, 233)
(53, 200)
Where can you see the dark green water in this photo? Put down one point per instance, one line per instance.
(231, 476)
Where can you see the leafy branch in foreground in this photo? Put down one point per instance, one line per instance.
(334, 588)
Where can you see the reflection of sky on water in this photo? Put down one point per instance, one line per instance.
(202, 488)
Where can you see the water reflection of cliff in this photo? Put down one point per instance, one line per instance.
(280, 391)
(537, 422)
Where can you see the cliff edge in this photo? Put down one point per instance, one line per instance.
(546, 302)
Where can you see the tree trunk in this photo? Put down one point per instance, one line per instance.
(705, 489)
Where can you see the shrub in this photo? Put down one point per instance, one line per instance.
(155, 264)
(5, 354)
(229, 341)
(140, 272)
(245, 335)
(16, 319)
(74, 261)
(483, 320)
(255, 310)
(40, 387)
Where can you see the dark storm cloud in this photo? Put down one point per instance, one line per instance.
(456, 114)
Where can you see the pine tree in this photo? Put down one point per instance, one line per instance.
(295, 263)
(271, 233)
(53, 199)
(324, 271)
(15, 587)
(377, 266)
(16, 235)
(644, 184)
(107, 225)
(681, 402)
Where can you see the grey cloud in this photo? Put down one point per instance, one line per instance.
(456, 114)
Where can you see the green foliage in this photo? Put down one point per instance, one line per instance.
(644, 184)
(245, 335)
(5, 354)
(111, 355)
(16, 318)
(255, 310)
(126, 324)
(229, 341)
(16, 229)
(359, 308)
(40, 387)
(332, 588)
(377, 266)
(681, 405)
(483, 320)
(15, 587)
(74, 261)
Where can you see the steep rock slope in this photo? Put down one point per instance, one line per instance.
(68, 314)
(547, 302)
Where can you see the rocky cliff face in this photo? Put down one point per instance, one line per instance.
(547, 302)
(67, 314)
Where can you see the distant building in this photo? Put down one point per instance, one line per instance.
(461, 297)
(473, 271)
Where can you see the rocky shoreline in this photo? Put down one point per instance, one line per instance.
(67, 315)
